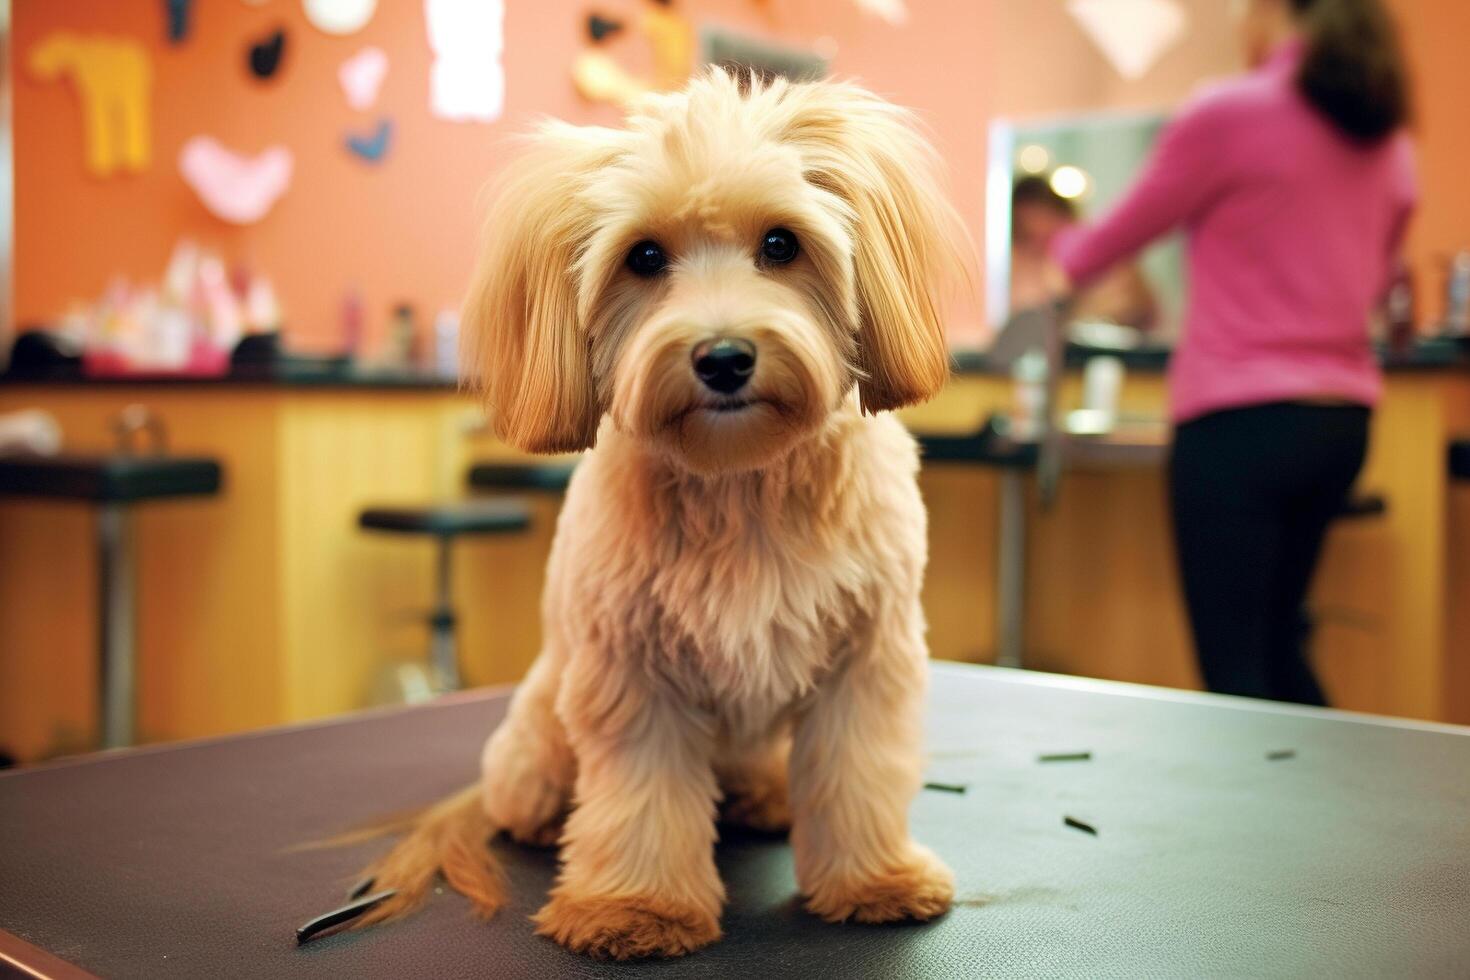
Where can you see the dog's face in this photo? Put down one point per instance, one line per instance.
(717, 276)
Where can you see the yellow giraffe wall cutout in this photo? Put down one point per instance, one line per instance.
(600, 78)
(114, 79)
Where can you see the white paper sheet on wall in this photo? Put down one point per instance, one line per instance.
(361, 77)
(467, 79)
(339, 16)
(1132, 34)
(896, 12)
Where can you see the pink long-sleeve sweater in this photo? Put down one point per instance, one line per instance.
(1292, 233)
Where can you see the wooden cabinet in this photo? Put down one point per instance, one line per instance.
(266, 604)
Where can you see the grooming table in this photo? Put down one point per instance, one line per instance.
(1350, 857)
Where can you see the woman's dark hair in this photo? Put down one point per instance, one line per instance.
(1353, 71)
(1034, 189)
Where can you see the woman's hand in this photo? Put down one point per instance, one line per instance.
(1058, 283)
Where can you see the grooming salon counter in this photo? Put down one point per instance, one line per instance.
(267, 605)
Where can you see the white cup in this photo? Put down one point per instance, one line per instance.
(1102, 384)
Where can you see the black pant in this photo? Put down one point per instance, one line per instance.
(1253, 491)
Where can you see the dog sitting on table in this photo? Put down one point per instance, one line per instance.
(720, 301)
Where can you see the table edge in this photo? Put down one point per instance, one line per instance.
(1099, 685)
(1007, 675)
(33, 961)
(486, 693)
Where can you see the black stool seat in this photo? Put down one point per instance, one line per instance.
(445, 522)
(1363, 505)
(1460, 460)
(990, 446)
(108, 479)
(533, 477)
(450, 519)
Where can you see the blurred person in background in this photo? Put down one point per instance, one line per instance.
(1120, 295)
(1294, 184)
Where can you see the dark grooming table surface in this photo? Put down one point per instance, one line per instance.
(1350, 859)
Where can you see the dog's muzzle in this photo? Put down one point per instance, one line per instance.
(724, 365)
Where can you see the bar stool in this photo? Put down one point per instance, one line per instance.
(993, 447)
(444, 523)
(547, 478)
(114, 485)
(1460, 460)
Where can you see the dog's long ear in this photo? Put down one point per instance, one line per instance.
(523, 346)
(911, 247)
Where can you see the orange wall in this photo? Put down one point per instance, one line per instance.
(1049, 65)
(405, 229)
(1437, 33)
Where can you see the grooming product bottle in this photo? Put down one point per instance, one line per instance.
(1401, 311)
(401, 337)
(262, 310)
(1028, 395)
(1457, 306)
(1102, 387)
(352, 323)
(446, 344)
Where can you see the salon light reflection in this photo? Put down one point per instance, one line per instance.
(1033, 159)
(1070, 182)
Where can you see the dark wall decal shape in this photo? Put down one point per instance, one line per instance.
(265, 54)
(600, 27)
(372, 148)
(177, 12)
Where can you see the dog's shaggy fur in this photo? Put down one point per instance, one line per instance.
(732, 606)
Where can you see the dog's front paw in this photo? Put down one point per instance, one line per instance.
(625, 928)
(920, 887)
(531, 809)
(523, 796)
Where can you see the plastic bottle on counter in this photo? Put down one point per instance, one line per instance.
(401, 335)
(1102, 390)
(262, 309)
(1457, 308)
(1401, 310)
(446, 343)
(352, 318)
(1028, 395)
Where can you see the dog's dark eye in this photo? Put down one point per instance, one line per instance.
(779, 246)
(647, 259)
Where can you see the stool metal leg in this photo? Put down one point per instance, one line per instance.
(443, 657)
(1010, 577)
(115, 627)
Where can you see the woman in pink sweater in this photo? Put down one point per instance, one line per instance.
(1294, 185)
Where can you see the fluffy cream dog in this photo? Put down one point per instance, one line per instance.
(720, 299)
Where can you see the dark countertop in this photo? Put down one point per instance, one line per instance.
(1434, 354)
(1428, 355)
(299, 375)
(1350, 858)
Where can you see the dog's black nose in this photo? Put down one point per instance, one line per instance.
(724, 365)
